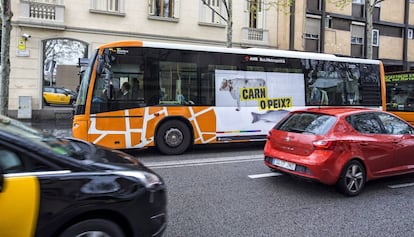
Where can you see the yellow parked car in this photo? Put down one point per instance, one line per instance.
(57, 95)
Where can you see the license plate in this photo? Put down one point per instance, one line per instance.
(284, 164)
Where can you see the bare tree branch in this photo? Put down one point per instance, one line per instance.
(214, 10)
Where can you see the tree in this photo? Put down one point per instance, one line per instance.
(228, 5)
(369, 9)
(6, 16)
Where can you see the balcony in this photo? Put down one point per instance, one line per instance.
(255, 36)
(42, 13)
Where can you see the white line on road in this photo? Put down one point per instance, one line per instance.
(401, 185)
(198, 162)
(257, 176)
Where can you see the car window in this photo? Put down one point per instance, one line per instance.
(48, 89)
(15, 162)
(394, 125)
(60, 91)
(307, 123)
(10, 162)
(365, 123)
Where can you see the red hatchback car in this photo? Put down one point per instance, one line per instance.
(342, 146)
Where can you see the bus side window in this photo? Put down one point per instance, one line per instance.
(207, 89)
(135, 89)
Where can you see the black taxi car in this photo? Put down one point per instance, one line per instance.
(66, 187)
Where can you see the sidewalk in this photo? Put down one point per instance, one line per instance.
(56, 120)
(52, 112)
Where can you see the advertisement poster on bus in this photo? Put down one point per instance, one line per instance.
(249, 103)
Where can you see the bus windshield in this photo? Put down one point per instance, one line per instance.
(84, 86)
(400, 94)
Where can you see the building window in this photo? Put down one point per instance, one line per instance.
(357, 40)
(312, 27)
(312, 32)
(107, 5)
(357, 34)
(375, 37)
(410, 34)
(314, 5)
(164, 8)
(255, 8)
(211, 11)
(328, 21)
(311, 36)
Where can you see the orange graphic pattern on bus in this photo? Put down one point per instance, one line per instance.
(135, 128)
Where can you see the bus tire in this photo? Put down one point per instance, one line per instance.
(173, 137)
(95, 227)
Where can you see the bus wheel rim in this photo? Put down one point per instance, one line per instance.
(173, 137)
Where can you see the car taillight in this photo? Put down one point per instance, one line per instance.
(324, 144)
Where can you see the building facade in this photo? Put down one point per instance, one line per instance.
(51, 35)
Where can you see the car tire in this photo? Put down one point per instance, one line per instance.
(352, 179)
(173, 137)
(94, 227)
(45, 103)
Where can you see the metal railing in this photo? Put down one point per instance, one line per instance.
(255, 35)
(42, 11)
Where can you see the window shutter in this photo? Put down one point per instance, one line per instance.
(151, 7)
(312, 26)
(176, 8)
(260, 15)
(101, 5)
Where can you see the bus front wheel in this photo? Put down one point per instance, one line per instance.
(173, 138)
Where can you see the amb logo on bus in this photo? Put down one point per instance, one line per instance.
(264, 103)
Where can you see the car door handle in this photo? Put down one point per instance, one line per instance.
(363, 143)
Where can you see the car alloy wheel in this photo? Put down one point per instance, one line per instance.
(352, 178)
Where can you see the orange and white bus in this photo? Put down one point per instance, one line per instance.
(180, 95)
(400, 94)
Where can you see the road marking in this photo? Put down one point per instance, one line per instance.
(199, 162)
(401, 185)
(257, 176)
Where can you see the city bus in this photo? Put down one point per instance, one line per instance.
(180, 95)
(400, 94)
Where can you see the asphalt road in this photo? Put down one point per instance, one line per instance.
(225, 191)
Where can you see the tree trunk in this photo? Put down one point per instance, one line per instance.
(6, 16)
(369, 5)
(230, 24)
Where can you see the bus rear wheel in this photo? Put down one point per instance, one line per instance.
(173, 137)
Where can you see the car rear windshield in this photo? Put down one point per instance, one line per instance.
(312, 123)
